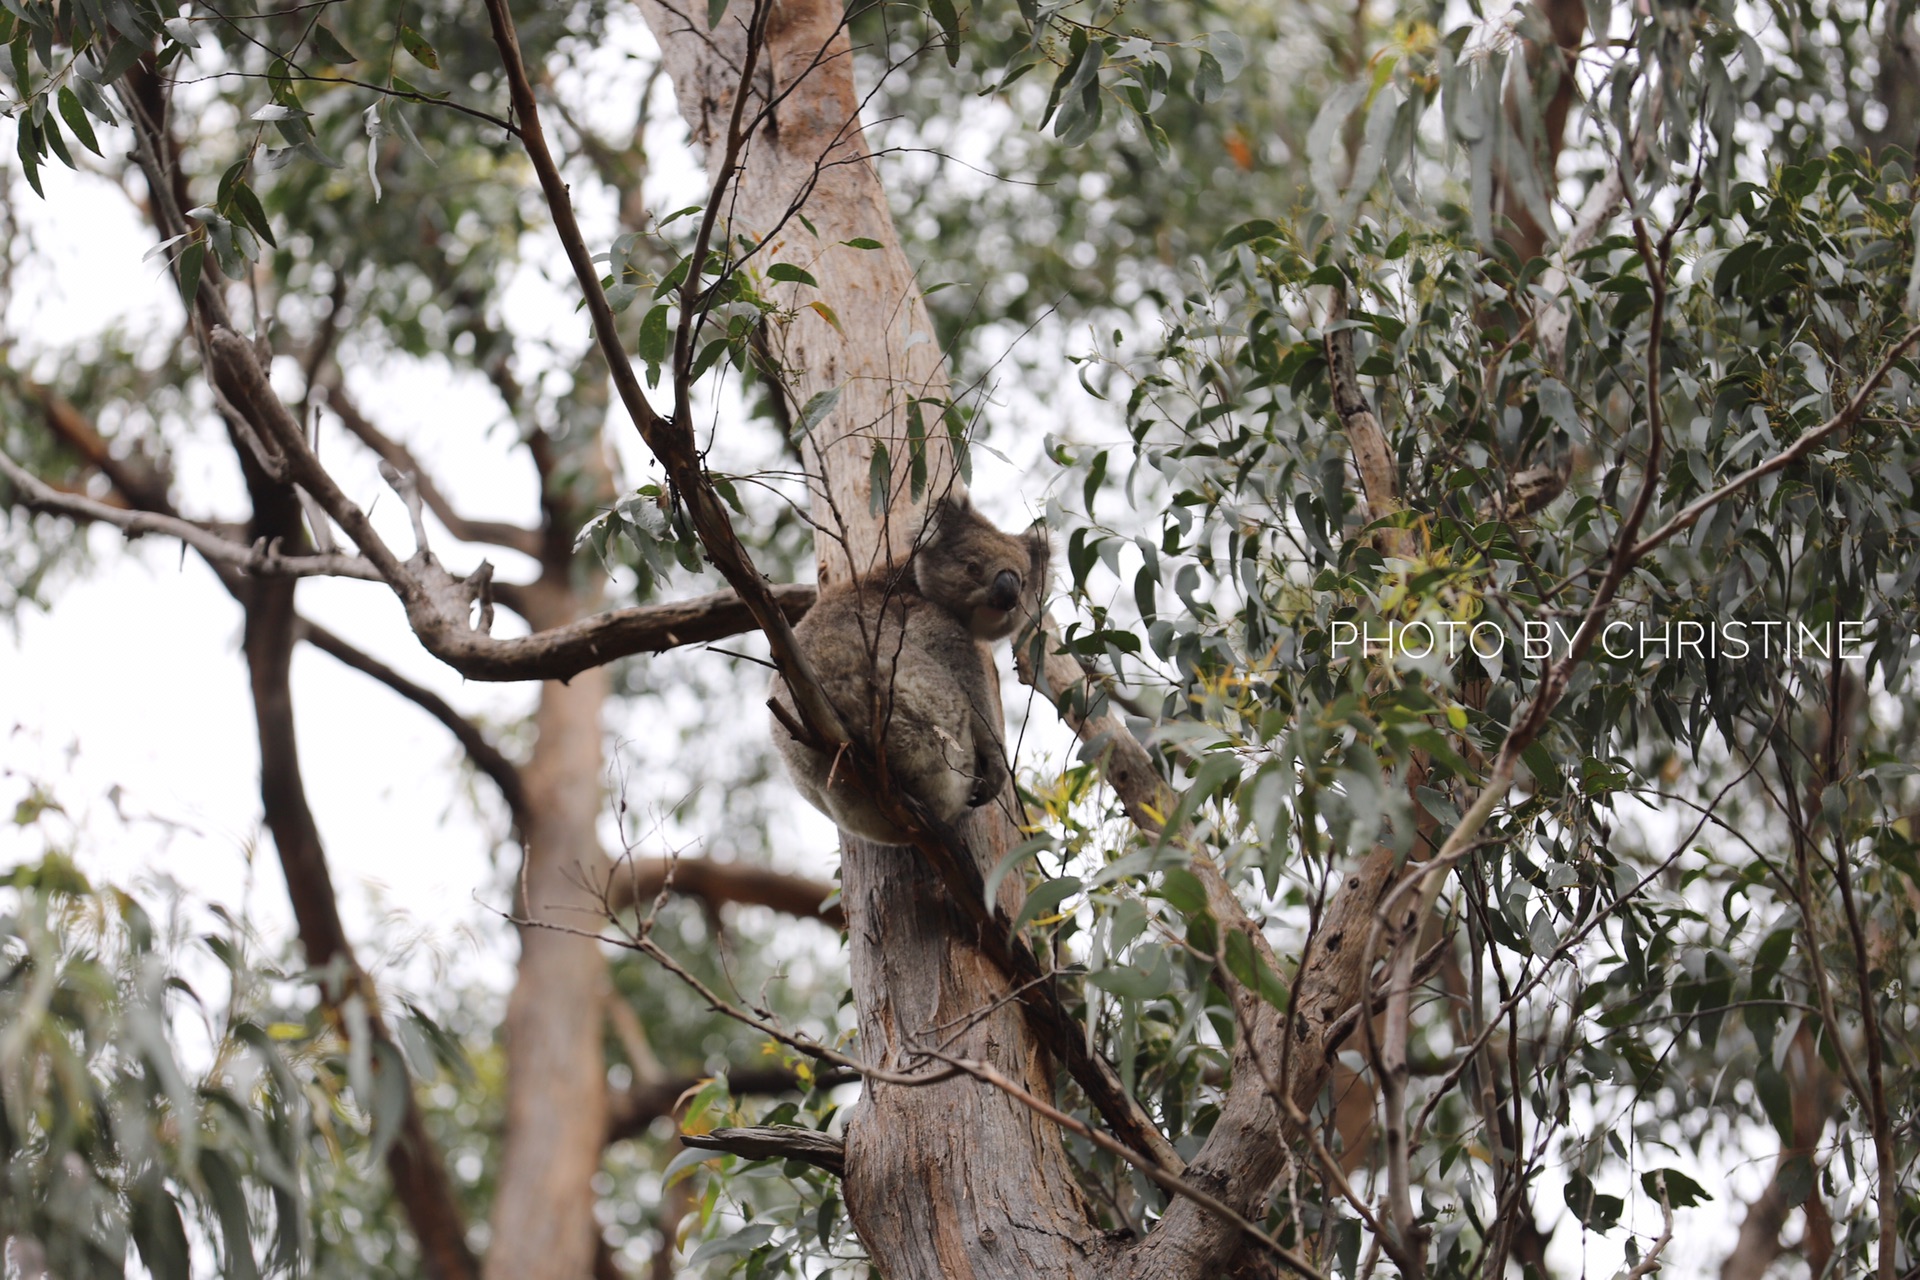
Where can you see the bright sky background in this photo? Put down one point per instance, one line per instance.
(129, 699)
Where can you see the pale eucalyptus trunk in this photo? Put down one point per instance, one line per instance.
(954, 1179)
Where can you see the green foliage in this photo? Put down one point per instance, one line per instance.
(171, 1098)
(109, 1140)
(1634, 972)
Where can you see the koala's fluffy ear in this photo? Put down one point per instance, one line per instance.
(948, 513)
(1039, 552)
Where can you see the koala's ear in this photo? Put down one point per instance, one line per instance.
(948, 513)
(1039, 552)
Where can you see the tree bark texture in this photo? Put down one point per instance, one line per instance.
(882, 352)
(954, 1179)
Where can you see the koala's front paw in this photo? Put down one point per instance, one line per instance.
(988, 781)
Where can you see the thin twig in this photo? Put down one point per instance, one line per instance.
(1848, 414)
(1651, 1263)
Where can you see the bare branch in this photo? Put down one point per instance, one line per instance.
(1651, 1263)
(1603, 200)
(262, 557)
(760, 1020)
(631, 882)
(437, 603)
(1379, 476)
(776, 1142)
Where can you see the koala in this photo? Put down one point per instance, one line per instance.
(902, 655)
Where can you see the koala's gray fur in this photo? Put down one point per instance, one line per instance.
(902, 654)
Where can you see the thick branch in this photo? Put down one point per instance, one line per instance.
(634, 880)
(437, 604)
(419, 1178)
(776, 1142)
(562, 652)
(1379, 476)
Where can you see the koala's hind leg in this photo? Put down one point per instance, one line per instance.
(824, 783)
(930, 761)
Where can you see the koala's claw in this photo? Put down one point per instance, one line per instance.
(979, 796)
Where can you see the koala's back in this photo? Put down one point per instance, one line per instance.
(903, 672)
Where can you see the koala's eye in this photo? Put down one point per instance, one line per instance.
(973, 570)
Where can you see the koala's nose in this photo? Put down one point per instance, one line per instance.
(1005, 591)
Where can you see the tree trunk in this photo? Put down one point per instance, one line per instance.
(883, 354)
(954, 1179)
(543, 1223)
